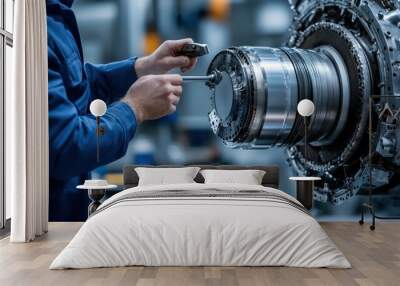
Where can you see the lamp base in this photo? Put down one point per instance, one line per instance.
(371, 209)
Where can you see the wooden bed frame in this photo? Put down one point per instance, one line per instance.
(271, 177)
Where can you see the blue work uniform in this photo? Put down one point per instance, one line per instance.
(72, 130)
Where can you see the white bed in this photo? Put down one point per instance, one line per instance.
(250, 225)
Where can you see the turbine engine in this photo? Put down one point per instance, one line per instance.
(340, 55)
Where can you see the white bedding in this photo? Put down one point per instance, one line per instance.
(183, 231)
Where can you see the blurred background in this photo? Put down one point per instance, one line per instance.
(116, 29)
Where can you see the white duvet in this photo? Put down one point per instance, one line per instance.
(200, 231)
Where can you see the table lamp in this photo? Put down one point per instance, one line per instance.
(305, 108)
(98, 108)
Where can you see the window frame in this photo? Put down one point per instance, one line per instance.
(6, 39)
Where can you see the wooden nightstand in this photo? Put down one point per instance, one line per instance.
(305, 190)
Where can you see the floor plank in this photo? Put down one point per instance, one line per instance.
(375, 257)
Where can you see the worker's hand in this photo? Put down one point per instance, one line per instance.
(165, 58)
(154, 96)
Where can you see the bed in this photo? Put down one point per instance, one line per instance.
(198, 224)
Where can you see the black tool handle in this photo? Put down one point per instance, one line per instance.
(193, 50)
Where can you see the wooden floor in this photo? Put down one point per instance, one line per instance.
(375, 257)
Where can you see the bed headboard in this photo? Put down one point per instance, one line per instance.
(271, 177)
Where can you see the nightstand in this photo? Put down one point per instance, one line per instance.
(99, 194)
(305, 190)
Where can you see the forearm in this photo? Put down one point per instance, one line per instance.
(75, 153)
(110, 82)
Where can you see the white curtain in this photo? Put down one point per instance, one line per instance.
(27, 124)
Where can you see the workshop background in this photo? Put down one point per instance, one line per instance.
(116, 29)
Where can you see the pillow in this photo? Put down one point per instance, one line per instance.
(165, 176)
(248, 177)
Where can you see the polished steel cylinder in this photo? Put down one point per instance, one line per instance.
(269, 83)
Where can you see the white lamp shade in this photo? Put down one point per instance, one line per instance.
(305, 107)
(98, 107)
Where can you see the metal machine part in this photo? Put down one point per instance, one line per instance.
(212, 79)
(194, 50)
(339, 53)
(271, 89)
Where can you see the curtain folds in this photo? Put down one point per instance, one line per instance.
(27, 124)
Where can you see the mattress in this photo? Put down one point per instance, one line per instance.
(201, 225)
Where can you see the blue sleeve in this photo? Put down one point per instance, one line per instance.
(72, 136)
(110, 82)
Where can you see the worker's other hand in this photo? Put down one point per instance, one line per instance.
(154, 96)
(165, 58)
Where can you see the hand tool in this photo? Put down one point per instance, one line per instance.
(212, 79)
(194, 50)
